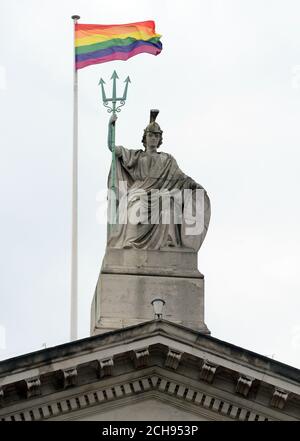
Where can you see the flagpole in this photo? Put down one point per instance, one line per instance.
(74, 263)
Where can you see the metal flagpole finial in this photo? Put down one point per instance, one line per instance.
(75, 17)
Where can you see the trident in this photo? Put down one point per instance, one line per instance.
(113, 108)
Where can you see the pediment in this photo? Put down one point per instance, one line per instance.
(201, 376)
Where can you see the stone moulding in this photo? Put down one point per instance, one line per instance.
(106, 367)
(208, 371)
(70, 377)
(173, 359)
(33, 387)
(141, 357)
(200, 402)
(244, 385)
(279, 398)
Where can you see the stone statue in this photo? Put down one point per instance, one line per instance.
(152, 197)
(162, 216)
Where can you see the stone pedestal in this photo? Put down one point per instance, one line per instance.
(130, 279)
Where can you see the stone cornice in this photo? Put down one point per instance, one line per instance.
(106, 367)
(157, 348)
(70, 377)
(243, 385)
(208, 371)
(173, 359)
(147, 330)
(279, 398)
(199, 353)
(33, 386)
(141, 357)
(156, 383)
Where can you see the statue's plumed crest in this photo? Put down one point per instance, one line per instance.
(153, 126)
(153, 115)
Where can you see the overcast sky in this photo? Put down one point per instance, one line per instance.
(227, 84)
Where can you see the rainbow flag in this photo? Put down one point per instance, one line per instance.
(101, 43)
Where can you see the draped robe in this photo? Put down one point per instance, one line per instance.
(139, 176)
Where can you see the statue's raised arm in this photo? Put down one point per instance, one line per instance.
(111, 123)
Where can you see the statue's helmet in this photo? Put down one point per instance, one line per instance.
(153, 127)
